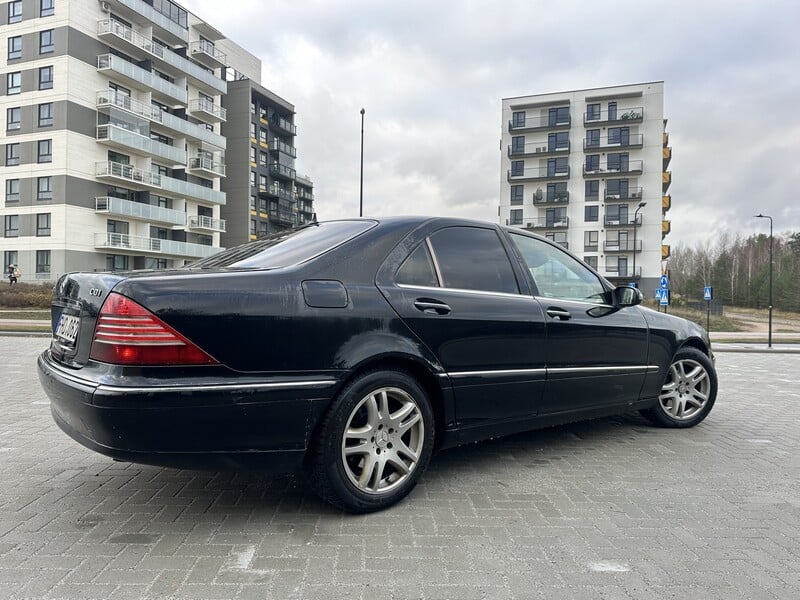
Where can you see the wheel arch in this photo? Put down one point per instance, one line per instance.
(697, 344)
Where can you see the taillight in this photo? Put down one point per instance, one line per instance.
(128, 334)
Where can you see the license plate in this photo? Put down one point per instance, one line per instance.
(67, 328)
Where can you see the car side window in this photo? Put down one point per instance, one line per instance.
(417, 269)
(472, 258)
(557, 274)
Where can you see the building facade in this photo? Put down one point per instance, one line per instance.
(114, 153)
(261, 151)
(588, 169)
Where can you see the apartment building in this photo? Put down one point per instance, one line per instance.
(114, 153)
(261, 151)
(588, 170)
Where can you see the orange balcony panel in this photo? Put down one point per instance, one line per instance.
(666, 179)
(666, 226)
(665, 251)
(667, 154)
(665, 139)
(666, 203)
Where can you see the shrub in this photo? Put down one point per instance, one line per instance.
(25, 295)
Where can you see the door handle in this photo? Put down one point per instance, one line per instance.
(558, 313)
(432, 306)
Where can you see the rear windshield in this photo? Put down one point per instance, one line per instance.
(287, 248)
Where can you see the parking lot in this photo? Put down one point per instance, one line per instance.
(611, 508)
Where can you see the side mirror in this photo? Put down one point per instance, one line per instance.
(626, 296)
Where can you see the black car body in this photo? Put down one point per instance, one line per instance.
(265, 355)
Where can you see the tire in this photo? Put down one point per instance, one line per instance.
(374, 443)
(688, 392)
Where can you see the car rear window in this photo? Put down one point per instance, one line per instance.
(287, 248)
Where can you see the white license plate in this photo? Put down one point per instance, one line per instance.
(67, 328)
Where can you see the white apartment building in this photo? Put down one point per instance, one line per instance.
(113, 153)
(588, 169)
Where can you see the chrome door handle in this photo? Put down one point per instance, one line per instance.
(432, 306)
(558, 313)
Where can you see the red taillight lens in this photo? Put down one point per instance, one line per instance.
(128, 334)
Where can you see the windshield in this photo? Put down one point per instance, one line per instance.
(286, 248)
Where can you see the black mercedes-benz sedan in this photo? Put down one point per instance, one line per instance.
(353, 349)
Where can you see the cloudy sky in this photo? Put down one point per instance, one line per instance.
(431, 75)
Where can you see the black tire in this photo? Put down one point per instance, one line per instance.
(688, 392)
(374, 443)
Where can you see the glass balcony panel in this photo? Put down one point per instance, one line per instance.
(146, 245)
(206, 110)
(139, 211)
(618, 114)
(207, 53)
(207, 165)
(136, 75)
(133, 176)
(208, 223)
(141, 8)
(121, 137)
(183, 189)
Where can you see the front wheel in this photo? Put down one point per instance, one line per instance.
(688, 392)
(375, 442)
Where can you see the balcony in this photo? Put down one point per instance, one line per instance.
(139, 211)
(130, 176)
(611, 272)
(282, 171)
(666, 227)
(179, 188)
(666, 203)
(286, 217)
(284, 125)
(538, 148)
(623, 246)
(667, 157)
(633, 140)
(666, 180)
(631, 167)
(546, 223)
(629, 195)
(277, 145)
(201, 222)
(618, 115)
(206, 53)
(107, 100)
(665, 139)
(140, 78)
(550, 198)
(133, 244)
(276, 191)
(130, 141)
(141, 12)
(541, 122)
(207, 111)
(665, 251)
(622, 221)
(533, 173)
(207, 166)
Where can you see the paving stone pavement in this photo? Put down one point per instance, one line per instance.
(611, 508)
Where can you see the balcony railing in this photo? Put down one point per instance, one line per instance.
(546, 223)
(279, 146)
(623, 246)
(619, 114)
(631, 166)
(207, 165)
(666, 203)
(207, 110)
(118, 136)
(277, 191)
(538, 173)
(665, 251)
(622, 221)
(632, 140)
(134, 243)
(285, 125)
(284, 216)
(139, 210)
(182, 189)
(625, 271)
(551, 198)
(137, 75)
(207, 223)
(281, 171)
(129, 173)
(541, 122)
(538, 148)
(146, 10)
(207, 53)
(632, 193)
(169, 186)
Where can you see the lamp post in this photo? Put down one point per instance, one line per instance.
(635, 219)
(361, 185)
(769, 338)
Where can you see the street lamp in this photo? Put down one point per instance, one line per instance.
(361, 185)
(760, 216)
(635, 219)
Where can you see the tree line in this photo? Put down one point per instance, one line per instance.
(738, 270)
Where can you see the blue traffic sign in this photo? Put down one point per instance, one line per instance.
(708, 292)
(664, 282)
(658, 293)
(664, 301)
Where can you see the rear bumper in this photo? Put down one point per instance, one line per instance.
(264, 425)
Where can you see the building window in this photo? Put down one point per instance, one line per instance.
(43, 261)
(592, 190)
(46, 41)
(44, 188)
(46, 78)
(252, 226)
(47, 8)
(263, 205)
(517, 168)
(15, 47)
(13, 118)
(518, 144)
(252, 155)
(612, 111)
(262, 135)
(12, 155)
(516, 217)
(118, 227)
(557, 192)
(13, 83)
(558, 116)
(262, 182)
(591, 261)
(518, 118)
(252, 202)
(252, 131)
(517, 192)
(593, 112)
(617, 188)
(592, 163)
(11, 228)
(591, 213)
(116, 262)
(43, 225)
(592, 138)
(264, 158)
(15, 11)
(590, 240)
(44, 151)
(46, 114)
(9, 258)
(618, 161)
(559, 237)
(12, 190)
(253, 179)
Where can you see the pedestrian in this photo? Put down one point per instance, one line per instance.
(12, 274)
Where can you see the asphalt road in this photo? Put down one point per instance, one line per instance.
(611, 509)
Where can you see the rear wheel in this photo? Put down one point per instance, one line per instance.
(688, 392)
(374, 443)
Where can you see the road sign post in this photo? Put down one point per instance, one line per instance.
(708, 294)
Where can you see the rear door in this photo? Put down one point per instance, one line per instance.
(458, 291)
